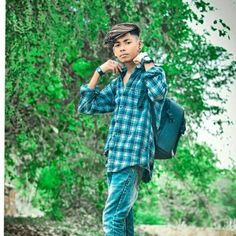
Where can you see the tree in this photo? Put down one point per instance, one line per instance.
(54, 46)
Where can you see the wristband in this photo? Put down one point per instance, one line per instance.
(100, 72)
(146, 59)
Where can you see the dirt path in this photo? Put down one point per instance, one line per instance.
(153, 230)
(90, 227)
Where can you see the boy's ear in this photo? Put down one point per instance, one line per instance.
(113, 51)
(140, 45)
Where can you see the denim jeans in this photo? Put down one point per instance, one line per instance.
(122, 194)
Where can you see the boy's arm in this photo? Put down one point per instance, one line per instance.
(155, 81)
(92, 100)
(154, 78)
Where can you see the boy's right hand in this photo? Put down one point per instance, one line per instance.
(111, 66)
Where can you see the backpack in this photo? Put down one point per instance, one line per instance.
(172, 126)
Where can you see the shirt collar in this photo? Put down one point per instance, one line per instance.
(124, 69)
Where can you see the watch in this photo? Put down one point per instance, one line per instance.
(145, 60)
(100, 72)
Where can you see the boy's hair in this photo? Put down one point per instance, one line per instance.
(120, 30)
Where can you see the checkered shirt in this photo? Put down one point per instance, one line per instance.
(130, 139)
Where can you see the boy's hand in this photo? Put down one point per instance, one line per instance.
(111, 66)
(137, 60)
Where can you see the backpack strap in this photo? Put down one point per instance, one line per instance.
(153, 117)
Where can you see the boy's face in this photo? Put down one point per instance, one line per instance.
(127, 47)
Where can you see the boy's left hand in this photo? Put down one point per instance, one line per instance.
(137, 60)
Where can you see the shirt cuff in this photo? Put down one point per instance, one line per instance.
(84, 89)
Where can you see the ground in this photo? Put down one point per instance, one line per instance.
(153, 230)
(75, 226)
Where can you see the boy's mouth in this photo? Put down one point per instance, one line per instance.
(124, 55)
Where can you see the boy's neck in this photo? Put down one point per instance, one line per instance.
(130, 66)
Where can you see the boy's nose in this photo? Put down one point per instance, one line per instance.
(122, 48)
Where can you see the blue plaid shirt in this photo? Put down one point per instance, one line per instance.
(130, 139)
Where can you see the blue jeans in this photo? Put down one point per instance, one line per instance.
(122, 194)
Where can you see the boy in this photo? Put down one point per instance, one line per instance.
(130, 146)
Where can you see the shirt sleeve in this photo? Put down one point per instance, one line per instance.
(155, 81)
(96, 100)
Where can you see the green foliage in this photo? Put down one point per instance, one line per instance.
(226, 185)
(82, 67)
(189, 189)
(52, 48)
(147, 210)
